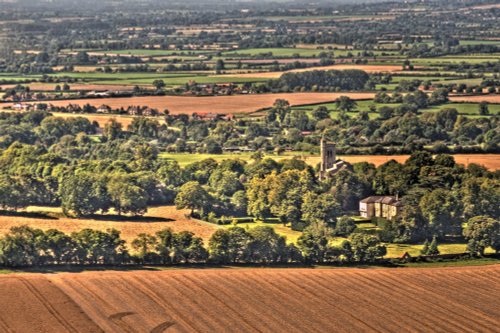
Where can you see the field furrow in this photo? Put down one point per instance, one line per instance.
(461, 299)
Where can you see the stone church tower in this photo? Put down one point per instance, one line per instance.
(328, 158)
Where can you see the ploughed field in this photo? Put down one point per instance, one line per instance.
(460, 299)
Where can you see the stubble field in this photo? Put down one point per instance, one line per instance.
(490, 98)
(463, 299)
(156, 219)
(216, 104)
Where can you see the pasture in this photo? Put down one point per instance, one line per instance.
(145, 52)
(277, 52)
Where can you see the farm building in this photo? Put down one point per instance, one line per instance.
(387, 207)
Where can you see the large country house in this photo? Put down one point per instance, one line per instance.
(387, 207)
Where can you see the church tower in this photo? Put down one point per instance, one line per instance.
(328, 157)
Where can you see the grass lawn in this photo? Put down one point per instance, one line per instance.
(184, 159)
(397, 250)
(291, 235)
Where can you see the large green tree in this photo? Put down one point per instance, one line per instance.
(482, 232)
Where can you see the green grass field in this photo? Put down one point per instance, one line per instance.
(291, 235)
(18, 77)
(465, 108)
(150, 53)
(470, 109)
(184, 158)
(170, 79)
(277, 52)
(305, 18)
(454, 60)
(119, 76)
(479, 42)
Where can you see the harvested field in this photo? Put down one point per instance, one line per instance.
(491, 98)
(490, 161)
(218, 104)
(463, 299)
(156, 219)
(74, 87)
(366, 68)
(103, 119)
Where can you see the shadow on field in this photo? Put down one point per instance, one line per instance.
(53, 269)
(35, 215)
(126, 218)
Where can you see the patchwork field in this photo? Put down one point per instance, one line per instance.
(463, 299)
(217, 104)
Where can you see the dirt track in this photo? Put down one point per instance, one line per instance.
(463, 299)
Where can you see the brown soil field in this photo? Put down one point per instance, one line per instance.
(217, 104)
(490, 161)
(461, 299)
(491, 98)
(156, 219)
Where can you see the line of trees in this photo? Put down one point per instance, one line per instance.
(25, 246)
(350, 79)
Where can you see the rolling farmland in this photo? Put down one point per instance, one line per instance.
(490, 161)
(256, 300)
(157, 218)
(217, 104)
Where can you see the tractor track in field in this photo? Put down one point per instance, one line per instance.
(454, 299)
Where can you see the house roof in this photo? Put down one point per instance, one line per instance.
(385, 199)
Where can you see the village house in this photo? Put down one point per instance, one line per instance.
(104, 109)
(22, 107)
(134, 110)
(149, 112)
(388, 207)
